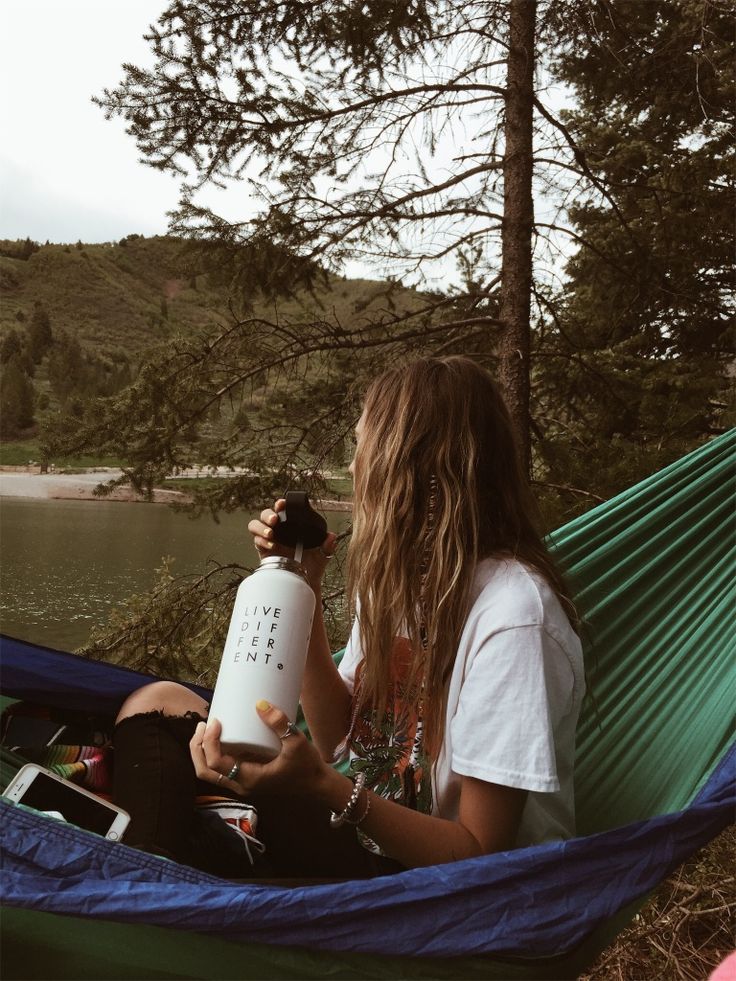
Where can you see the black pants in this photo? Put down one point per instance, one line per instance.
(155, 782)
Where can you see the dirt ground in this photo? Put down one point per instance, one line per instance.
(78, 486)
(29, 483)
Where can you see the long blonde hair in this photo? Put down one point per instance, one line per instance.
(438, 486)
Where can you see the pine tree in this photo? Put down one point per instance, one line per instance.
(67, 367)
(407, 77)
(11, 345)
(16, 399)
(446, 89)
(40, 335)
(634, 366)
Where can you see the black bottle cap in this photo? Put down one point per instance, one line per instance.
(299, 522)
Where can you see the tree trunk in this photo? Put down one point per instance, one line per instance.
(518, 219)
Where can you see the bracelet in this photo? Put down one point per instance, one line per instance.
(337, 819)
(360, 820)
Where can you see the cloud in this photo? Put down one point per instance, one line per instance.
(32, 205)
(67, 173)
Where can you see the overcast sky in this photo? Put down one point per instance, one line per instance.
(67, 173)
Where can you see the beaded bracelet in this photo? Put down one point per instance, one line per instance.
(358, 821)
(337, 819)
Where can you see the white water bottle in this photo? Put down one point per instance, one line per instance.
(266, 648)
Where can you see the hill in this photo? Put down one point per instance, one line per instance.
(108, 296)
(123, 297)
(81, 320)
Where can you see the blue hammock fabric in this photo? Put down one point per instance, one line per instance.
(66, 681)
(545, 899)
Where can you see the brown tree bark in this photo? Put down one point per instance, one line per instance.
(518, 220)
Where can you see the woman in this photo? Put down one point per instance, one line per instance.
(460, 688)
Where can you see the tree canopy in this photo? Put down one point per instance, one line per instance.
(394, 133)
(410, 135)
(351, 125)
(638, 370)
(381, 132)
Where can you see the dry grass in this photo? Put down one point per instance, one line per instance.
(686, 929)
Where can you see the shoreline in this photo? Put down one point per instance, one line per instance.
(30, 484)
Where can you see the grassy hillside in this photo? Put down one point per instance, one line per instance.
(118, 300)
(126, 296)
(111, 297)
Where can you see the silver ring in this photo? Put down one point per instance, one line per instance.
(233, 771)
(326, 554)
(290, 730)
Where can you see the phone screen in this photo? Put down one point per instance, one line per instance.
(46, 794)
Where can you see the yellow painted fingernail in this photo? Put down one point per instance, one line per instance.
(263, 705)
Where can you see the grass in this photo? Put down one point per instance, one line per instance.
(685, 930)
(21, 452)
(340, 487)
(18, 454)
(187, 484)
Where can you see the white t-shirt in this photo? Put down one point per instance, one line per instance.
(513, 704)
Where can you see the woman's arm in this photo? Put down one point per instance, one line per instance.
(488, 821)
(325, 698)
(488, 818)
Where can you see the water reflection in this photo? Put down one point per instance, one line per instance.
(65, 564)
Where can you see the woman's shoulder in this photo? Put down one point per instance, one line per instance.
(511, 593)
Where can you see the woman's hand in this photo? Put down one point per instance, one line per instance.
(314, 560)
(298, 768)
(488, 819)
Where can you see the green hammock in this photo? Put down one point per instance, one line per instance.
(654, 574)
(653, 571)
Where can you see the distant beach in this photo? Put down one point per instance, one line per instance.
(29, 482)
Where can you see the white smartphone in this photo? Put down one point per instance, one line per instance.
(43, 790)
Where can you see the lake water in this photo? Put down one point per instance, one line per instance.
(65, 564)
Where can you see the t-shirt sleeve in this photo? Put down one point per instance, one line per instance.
(351, 658)
(518, 685)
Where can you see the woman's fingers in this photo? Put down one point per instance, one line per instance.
(210, 764)
(314, 559)
(329, 545)
(269, 516)
(196, 748)
(212, 749)
(262, 534)
(262, 528)
(277, 721)
(298, 768)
